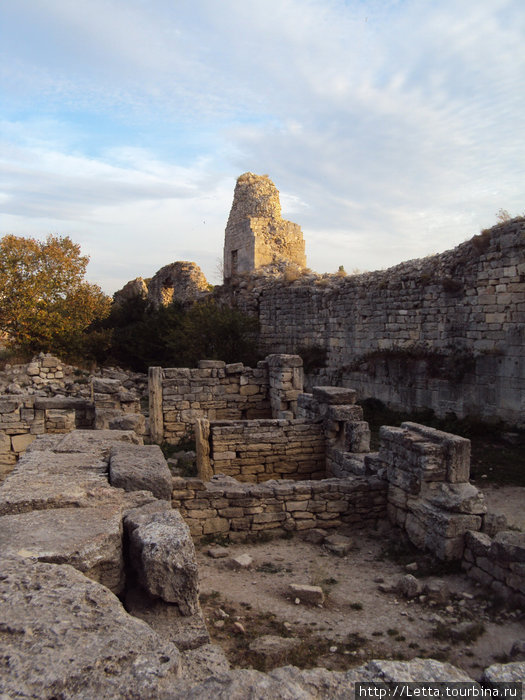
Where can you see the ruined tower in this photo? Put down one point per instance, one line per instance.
(256, 234)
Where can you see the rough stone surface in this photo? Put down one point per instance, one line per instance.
(90, 539)
(180, 281)
(163, 556)
(64, 636)
(256, 235)
(185, 631)
(140, 467)
(307, 594)
(505, 673)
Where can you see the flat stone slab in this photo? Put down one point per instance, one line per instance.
(98, 442)
(44, 479)
(71, 638)
(335, 395)
(89, 539)
(140, 467)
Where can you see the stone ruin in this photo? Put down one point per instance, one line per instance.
(89, 514)
(181, 281)
(256, 234)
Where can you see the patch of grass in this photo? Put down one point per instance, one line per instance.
(356, 606)
(355, 641)
(447, 633)
(392, 632)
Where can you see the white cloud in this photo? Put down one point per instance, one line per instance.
(393, 129)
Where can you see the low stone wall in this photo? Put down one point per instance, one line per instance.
(498, 562)
(429, 493)
(179, 397)
(237, 511)
(260, 450)
(22, 418)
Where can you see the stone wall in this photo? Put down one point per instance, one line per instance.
(260, 450)
(237, 511)
(216, 391)
(445, 332)
(256, 234)
(22, 418)
(498, 562)
(429, 494)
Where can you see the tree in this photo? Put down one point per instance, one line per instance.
(45, 303)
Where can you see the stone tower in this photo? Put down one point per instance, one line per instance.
(256, 234)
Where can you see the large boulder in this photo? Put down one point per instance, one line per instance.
(163, 556)
(140, 467)
(64, 636)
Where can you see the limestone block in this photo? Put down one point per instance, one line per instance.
(457, 450)
(479, 543)
(101, 385)
(128, 421)
(9, 405)
(443, 522)
(90, 539)
(494, 523)
(140, 467)
(97, 442)
(163, 556)
(459, 498)
(20, 443)
(508, 545)
(212, 364)
(357, 436)
(334, 395)
(307, 594)
(277, 360)
(5, 444)
(115, 655)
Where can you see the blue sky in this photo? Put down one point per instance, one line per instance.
(393, 129)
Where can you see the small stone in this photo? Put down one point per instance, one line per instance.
(307, 594)
(333, 650)
(241, 561)
(239, 627)
(408, 586)
(297, 601)
(219, 624)
(222, 613)
(218, 552)
(412, 567)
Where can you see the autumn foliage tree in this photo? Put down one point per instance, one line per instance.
(45, 303)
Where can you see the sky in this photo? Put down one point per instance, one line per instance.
(393, 129)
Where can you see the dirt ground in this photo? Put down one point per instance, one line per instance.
(357, 621)
(509, 500)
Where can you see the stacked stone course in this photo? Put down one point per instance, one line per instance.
(237, 510)
(179, 397)
(445, 332)
(429, 493)
(498, 562)
(268, 449)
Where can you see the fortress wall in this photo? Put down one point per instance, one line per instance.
(445, 332)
